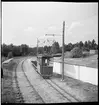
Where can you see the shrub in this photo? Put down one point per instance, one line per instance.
(85, 49)
(10, 55)
(96, 52)
(86, 54)
(76, 52)
(68, 54)
(3, 58)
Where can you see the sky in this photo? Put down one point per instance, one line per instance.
(24, 22)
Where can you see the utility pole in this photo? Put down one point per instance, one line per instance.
(63, 34)
(63, 51)
(37, 47)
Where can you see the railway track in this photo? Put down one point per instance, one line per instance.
(36, 97)
(70, 96)
(19, 94)
(60, 90)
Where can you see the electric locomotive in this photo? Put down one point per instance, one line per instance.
(43, 66)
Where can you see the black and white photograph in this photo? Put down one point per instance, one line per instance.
(49, 52)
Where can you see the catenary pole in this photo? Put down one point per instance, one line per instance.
(63, 50)
(37, 47)
(63, 34)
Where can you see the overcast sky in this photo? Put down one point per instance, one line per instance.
(24, 22)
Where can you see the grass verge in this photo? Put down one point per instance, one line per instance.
(9, 94)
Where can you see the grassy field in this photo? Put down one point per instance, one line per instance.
(6, 89)
(90, 61)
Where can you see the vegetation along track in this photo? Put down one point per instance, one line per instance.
(36, 94)
(60, 90)
(17, 86)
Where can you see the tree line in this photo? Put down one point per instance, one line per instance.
(25, 50)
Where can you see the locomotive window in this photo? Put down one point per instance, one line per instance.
(45, 60)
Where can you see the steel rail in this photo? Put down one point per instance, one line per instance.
(58, 87)
(30, 82)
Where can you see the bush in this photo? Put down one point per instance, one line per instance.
(3, 58)
(76, 52)
(68, 54)
(10, 55)
(96, 52)
(86, 54)
(85, 49)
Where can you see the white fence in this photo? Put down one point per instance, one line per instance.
(86, 74)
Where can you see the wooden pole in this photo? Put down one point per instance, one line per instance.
(63, 51)
(37, 47)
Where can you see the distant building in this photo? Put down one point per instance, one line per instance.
(86, 52)
(92, 51)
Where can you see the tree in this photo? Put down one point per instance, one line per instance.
(85, 49)
(46, 49)
(2, 50)
(40, 50)
(24, 49)
(10, 47)
(96, 47)
(89, 44)
(49, 49)
(85, 44)
(16, 51)
(68, 47)
(77, 44)
(34, 50)
(76, 52)
(10, 55)
(93, 44)
(80, 44)
(5, 50)
(55, 48)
